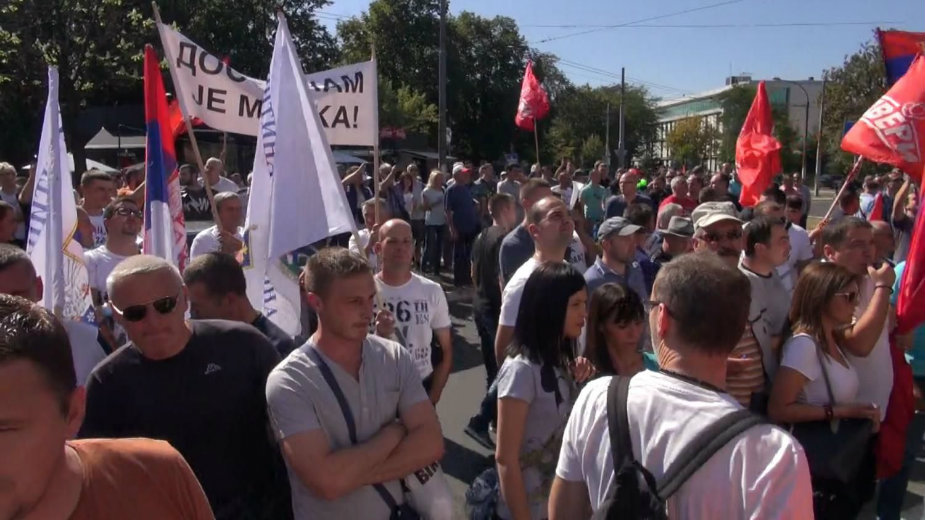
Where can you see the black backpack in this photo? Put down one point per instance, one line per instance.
(635, 493)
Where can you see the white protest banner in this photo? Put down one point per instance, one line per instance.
(347, 97)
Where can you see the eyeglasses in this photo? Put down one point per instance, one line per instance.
(850, 296)
(734, 234)
(135, 313)
(126, 212)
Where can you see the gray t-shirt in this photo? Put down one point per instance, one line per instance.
(521, 379)
(767, 313)
(515, 249)
(300, 400)
(512, 188)
(436, 215)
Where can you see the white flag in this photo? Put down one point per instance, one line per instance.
(347, 96)
(296, 196)
(56, 254)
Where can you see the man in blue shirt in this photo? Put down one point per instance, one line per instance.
(463, 219)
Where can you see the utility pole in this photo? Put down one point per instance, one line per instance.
(441, 130)
(607, 139)
(621, 148)
(819, 140)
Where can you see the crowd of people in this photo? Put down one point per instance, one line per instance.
(625, 319)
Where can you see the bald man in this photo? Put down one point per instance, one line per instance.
(884, 242)
(417, 305)
(199, 385)
(213, 174)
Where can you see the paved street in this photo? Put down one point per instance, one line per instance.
(465, 459)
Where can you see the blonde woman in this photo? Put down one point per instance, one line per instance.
(434, 221)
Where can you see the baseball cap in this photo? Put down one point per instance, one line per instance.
(680, 227)
(710, 213)
(618, 225)
(460, 168)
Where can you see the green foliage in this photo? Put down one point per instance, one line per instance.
(592, 150)
(580, 112)
(405, 108)
(692, 141)
(851, 89)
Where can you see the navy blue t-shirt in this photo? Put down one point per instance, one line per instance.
(459, 201)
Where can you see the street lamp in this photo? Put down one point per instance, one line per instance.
(805, 125)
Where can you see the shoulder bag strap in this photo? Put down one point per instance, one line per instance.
(704, 446)
(621, 447)
(825, 373)
(348, 418)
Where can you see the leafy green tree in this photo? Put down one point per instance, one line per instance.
(692, 140)
(850, 90)
(405, 108)
(592, 150)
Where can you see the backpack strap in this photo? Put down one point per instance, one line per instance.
(704, 446)
(621, 447)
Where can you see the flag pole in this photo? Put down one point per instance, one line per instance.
(536, 141)
(376, 160)
(848, 178)
(186, 119)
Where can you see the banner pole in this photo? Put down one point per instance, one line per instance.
(536, 141)
(848, 178)
(376, 159)
(187, 120)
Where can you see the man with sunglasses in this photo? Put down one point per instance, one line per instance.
(123, 220)
(198, 385)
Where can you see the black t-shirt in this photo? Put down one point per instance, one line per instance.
(485, 254)
(208, 402)
(281, 341)
(196, 204)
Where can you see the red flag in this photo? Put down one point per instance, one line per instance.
(876, 212)
(534, 102)
(175, 118)
(757, 151)
(910, 305)
(892, 130)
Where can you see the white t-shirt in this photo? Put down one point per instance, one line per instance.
(513, 291)
(800, 355)
(801, 250)
(224, 184)
(761, 474)
(419, 307)
(576, 254)
(207, 241)
(363, 234)
(875, 371)
(99, 230)
(100, 262)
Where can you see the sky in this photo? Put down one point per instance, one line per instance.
(664, 45)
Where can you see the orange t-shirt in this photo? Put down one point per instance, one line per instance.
(140, 479)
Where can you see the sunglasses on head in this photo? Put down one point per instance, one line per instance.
(135, 313)
(733, 234)
(851, 297)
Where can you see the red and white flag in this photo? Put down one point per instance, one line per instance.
(534, 102)
(893, 129)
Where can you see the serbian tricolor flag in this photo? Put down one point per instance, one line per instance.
(165, 231)
(899, 49)
(892, 130)
(534, 102)
(757, 151)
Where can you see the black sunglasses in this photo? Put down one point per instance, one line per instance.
(135, 313)
(126, 212)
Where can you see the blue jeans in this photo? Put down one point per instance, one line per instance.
(892, 490)
(433, 248)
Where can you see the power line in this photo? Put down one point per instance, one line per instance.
(715, 26)
(612, 75)
(641, 20)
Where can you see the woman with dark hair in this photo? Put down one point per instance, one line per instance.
(536, 389)
(816, 382)
(616, 318)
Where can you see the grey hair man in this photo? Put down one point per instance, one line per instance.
(213, 175)
(198, 385)
(227, 235)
